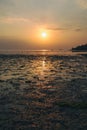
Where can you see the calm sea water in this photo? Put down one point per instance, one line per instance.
(43, 90)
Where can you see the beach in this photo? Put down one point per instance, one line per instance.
(43, 91)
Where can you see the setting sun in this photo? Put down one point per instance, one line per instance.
(44, 34)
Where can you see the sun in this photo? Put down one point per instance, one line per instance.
(44, 34)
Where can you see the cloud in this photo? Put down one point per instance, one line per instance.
(82, 3)
(13, 20)
(56, 28)
(76, 29)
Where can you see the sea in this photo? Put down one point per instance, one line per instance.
(43, 90)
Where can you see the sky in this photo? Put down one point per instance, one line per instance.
(23, 21)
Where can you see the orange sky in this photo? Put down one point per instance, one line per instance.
(64, 21)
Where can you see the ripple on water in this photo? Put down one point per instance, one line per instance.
(43, 92)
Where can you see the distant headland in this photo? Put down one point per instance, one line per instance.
(80, 48)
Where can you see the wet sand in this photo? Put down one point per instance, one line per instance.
(44, 92)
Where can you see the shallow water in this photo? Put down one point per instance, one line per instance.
(43, 91)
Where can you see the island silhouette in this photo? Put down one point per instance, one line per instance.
(80, 48)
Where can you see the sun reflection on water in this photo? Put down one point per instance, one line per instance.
(43, 68)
